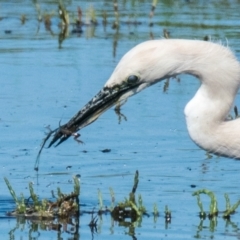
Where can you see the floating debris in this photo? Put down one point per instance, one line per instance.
(107, 150)
(8, 31)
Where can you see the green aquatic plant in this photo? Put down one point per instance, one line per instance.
(129, 208)
(47, 20)
(76, 185)
(156, 213)
(202, 213)
(23, 19)
(38, 10)
(38, 206)
(91, 15)
(230, 209)
(140, 204)
(213, 209)
(155, 210)
(116, 13)
(20, 203)
(100, 200)
(168, 214)
(63, 14)
(112, 199)
(151, 14)
(104, 17)
(66, 205)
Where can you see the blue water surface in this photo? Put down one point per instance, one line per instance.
(44, 83)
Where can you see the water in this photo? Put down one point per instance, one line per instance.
(43, 83)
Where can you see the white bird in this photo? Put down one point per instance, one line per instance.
(155, 60)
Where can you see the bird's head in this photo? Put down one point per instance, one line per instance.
(138, 69)
(142, 66)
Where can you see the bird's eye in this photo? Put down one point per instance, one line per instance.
(132, 79)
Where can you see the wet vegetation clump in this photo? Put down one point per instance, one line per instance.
(65, 206)
(130, 208)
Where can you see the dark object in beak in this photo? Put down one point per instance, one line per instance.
(105, 99)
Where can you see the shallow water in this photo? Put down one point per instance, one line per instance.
(43, 83)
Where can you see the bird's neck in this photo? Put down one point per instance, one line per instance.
(207, 111)
(208, 128)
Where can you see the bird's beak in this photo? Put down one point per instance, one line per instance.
(102, 101)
